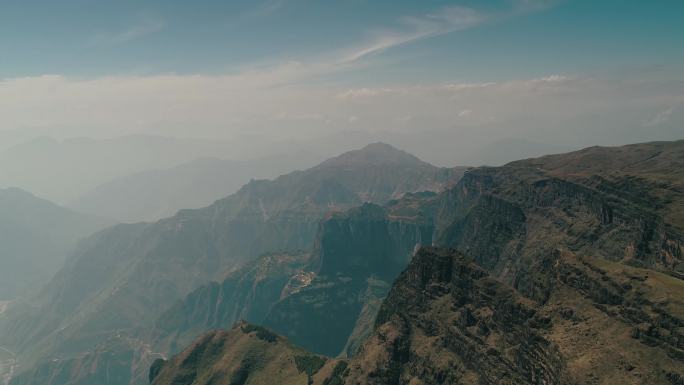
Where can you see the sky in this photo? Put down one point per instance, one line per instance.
(567, 73)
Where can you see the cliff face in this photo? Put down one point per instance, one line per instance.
(446, 321)
(357, 256)
(594, 252)
(325, 301)
(560, 271)
(509, 217)
(247, 293)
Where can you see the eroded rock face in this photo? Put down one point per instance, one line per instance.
(247, 293)
(561, 272)
(493, 213)
(325, 301)
(357, 256)
(446, 321)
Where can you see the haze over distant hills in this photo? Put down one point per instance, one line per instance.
(97, 174)
(64, 170)
(355, 192)
(113, 288)
(155, 194)
(35, 237)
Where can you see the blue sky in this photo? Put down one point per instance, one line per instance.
(612, 70)
(522, 39)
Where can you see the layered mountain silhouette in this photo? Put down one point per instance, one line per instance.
(564, 269)
(558, 270)
(63, 170)
(113, 288)
(155, 194)
(35, 238)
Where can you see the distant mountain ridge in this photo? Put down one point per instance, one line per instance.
(35, 237)
(62, 170)
(125, 276)
(375, 154)
(155, 194)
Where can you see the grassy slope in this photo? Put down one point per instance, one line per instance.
(244, 355)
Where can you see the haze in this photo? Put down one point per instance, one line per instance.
(267, 75)
(353, 191)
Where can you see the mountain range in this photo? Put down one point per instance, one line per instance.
(112, 289)
(564, 269)
(35, 238)
(377, 268)
(154, 194)
(63, 170)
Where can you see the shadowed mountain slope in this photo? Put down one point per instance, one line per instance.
(357, 255)
(35, 237)
(121, 279)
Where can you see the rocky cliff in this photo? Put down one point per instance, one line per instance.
(355, 258)
(559, 271)
(447, 321)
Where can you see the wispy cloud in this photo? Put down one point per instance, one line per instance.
(143, 27)
(239, 103)
(406, 30)
(660, 118)
(440, 22)
(415, 28)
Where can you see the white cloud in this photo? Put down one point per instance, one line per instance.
(281, 101)
(660, 118)
(414, 28)
(443, 21)
(232, 105)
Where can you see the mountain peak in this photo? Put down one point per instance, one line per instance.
(378, 153)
